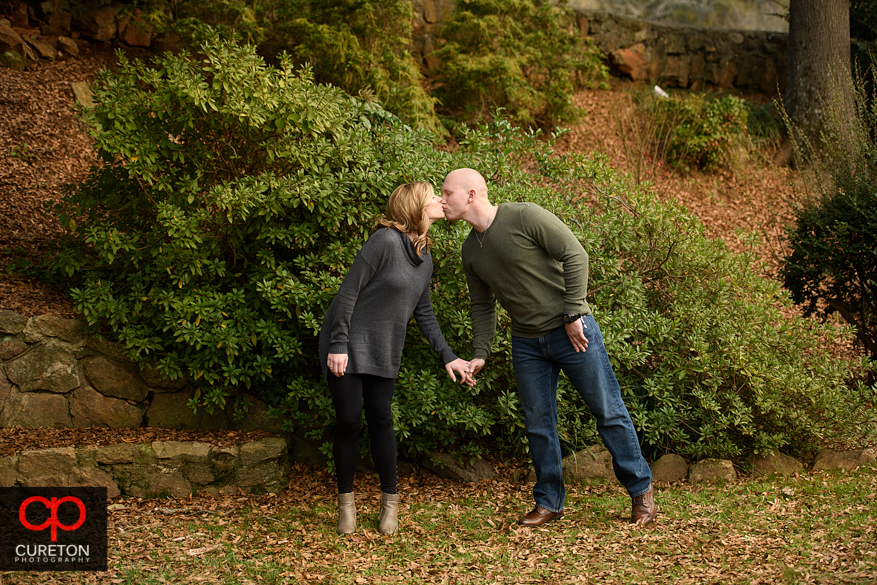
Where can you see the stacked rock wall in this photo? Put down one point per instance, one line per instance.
(162, 468)
(54, 375)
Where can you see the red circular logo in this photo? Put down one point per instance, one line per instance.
(53, 522)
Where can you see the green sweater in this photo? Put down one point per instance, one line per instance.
(531, 263)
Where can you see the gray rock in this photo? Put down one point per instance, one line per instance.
(775, 463)
(116, 454)
(90, 408)
(712, 470)
(35, 410)
(161, 482)
(171, 411)
(5, 391)
(103, 24)
(200, 474)
(69, 330)
(829, 460)
(68, 46)
(46, 467)
(94, 477)
(43, 47)
(10, 321)
(592, 463)
(266, 449)
(445, 465)
(50, 367)
(115, 378)
(8, 471)
(669, 468)
(11, 348)
(264, 477)
(181, 450)
(158, 383)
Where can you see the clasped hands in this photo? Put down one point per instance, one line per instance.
(337, 364)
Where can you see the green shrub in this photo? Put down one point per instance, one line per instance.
(357, 45)
(232, 197)
(708, 364)
(832, 263)
(695, 130)
(521, 55)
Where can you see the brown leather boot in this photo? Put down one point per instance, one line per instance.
(346, 514)
(643, 509)
(389, 519)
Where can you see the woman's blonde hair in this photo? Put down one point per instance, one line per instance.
(407, 210)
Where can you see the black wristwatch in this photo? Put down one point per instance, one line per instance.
(571, 317)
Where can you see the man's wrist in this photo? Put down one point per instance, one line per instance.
(571, 317)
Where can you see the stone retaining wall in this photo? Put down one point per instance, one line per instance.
(54, 375)
(670, 55)
(161, 468)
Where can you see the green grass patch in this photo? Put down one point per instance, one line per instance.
(812, 528)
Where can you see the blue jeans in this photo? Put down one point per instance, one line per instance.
(537, 364)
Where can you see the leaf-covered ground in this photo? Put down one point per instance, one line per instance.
(815, 528)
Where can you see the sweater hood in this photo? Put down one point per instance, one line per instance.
(410, 252)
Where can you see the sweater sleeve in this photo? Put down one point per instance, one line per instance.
(359, 275)
(549, 232)
(430, 329)
(483, 314)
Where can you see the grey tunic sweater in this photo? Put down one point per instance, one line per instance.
(368, 319)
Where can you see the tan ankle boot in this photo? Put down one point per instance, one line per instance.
(389, 519)
(346, 514)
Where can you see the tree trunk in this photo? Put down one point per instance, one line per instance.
(819, 64)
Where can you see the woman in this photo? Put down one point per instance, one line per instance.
(362, 338)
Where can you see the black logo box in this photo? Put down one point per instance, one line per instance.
(53, 529)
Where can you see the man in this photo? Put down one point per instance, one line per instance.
(527, 259)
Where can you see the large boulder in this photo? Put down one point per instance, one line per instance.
(69, 330)
(10, 321)
(46, 467)
(90, 408)
(115, 378)
(445, 465)
(712, 470)
(50, 367)
(591, 464)
(775, 463)
(35, 410)
(669, 468)
(828, 460)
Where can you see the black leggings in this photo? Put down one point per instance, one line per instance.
(350, 393)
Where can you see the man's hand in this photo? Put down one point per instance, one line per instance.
(577, 335)
(475, 366)
(337, 363)
(462, 368)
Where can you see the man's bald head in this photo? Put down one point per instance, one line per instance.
(467, 180)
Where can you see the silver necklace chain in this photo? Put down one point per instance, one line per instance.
(489, 223)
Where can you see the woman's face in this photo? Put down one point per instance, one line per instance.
(434, 209)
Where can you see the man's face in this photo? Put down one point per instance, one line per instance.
(455, 199)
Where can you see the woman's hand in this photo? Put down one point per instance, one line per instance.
(337, 363)
(462, 368)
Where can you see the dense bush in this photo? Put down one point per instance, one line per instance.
(832, 264)
(232, 197)
(695, 130)
(708, 364)
(521, 55)
(357, 45)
